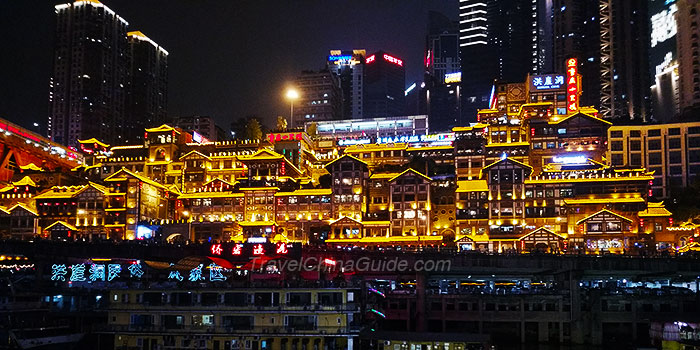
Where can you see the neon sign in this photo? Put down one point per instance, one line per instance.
(572, 85)
(350, 142)
(578, 159)
(295, 136)
(340, 58)
(370, 59)
(410, 88)
(393, 60)
(663, 25)
(547, 82)
(455, 77)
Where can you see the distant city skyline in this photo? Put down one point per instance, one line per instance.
(211, 70)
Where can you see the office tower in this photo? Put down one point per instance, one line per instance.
(688, 17)
(348, 66)
(609, 39)
(576, 32)
(663, 60)
(385, 79)
(319, 98)
(88, 86)
(203, 128)
(147, 94)
(442, 65)
(500, 40)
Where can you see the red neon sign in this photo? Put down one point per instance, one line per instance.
(237, 249)
(216, 249)
(258, 249)
(285, 137)
(572, 88)
(370, 59)
(282, 248)
(393, 60)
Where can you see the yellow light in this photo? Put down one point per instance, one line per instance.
(2, 257)
(515, 221)
(498, 222)
(81, 211)
(292, 94)
(185, 213)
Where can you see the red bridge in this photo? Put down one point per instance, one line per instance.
(22, 149)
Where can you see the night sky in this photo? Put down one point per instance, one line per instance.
(228, 59)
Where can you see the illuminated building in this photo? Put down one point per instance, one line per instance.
(608, 39)
(73, 212)
(348, 66)
(253, 318)
(505, 41)
(147, 93)
(688, 65)
(371, 129)
(88, 87)
(670, 151)
(533, 174)
(663, 60)
(385, 83)
(320, 98)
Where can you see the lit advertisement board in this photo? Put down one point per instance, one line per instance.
(455, 77)
(662, 36)
(340, 58)
(547, 82)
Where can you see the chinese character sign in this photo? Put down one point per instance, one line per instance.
(97, 272)
(572, 88)
(196, 274)
(215, 273)
(77, 273)
(58, 272)
(135, 270)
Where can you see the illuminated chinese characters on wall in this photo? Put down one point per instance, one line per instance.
(547, 82)
(572, 85)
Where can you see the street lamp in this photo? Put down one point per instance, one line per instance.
(190, 236)
(292, 94)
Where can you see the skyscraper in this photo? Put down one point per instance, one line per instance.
(385, 80)
(88, 86)
(663, 60)
(348, 66)
(441, 89)
(500, 40)
(319, 98)
(147, 93)
(688, 17)
(609, 39)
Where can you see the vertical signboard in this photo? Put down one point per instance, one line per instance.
(572, 86)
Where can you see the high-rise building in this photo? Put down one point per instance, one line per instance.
(500, 40)
(608, 38)
(385, 80)
(442, 46)
(88, 87)
(147, 94)
(441, 91)
(688, 17)
(203, 128)
(663, 60)
(348, 66)
(319, 98)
